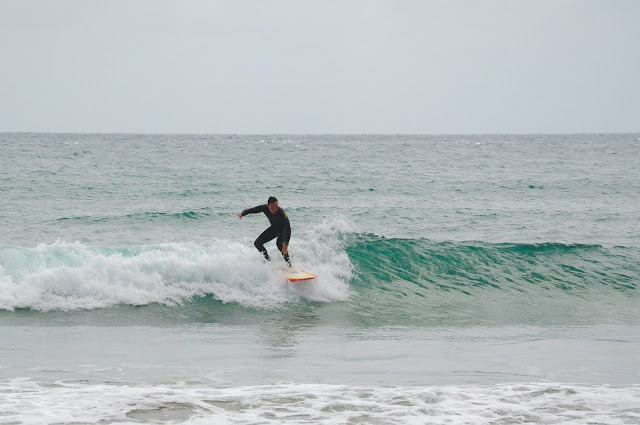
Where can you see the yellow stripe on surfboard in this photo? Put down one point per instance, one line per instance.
(298, 276)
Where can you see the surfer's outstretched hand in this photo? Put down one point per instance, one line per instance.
(239, 216)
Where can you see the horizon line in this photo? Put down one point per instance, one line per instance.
(315, 134)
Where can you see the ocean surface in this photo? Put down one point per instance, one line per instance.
(467, 279)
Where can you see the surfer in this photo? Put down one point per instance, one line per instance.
(279, 228)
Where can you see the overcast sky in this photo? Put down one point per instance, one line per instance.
(343, 66)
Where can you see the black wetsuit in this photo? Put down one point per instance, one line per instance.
(279, 228)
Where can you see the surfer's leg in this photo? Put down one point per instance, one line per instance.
(279, 244)
(265, 237)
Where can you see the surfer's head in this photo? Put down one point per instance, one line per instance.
(272, 203)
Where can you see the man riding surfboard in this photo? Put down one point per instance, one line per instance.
(280, 228)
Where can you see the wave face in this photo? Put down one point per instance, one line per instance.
(380, 281)
(72, 276)
(469, 267)
(494, 283)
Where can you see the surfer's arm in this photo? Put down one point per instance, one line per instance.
(258, 209)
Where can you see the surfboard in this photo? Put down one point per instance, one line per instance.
(298, 275)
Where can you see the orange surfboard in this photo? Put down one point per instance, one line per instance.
(298, 276)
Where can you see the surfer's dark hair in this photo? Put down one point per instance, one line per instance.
(272, 199)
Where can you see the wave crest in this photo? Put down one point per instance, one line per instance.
(70, 276)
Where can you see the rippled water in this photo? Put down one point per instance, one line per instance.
(470, 278)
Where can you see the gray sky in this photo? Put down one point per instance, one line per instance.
(297, 66)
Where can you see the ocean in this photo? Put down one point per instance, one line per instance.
(471, 279)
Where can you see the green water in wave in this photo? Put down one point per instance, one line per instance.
(424, 282)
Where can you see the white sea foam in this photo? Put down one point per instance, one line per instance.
(28, 402)
(71, 276)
